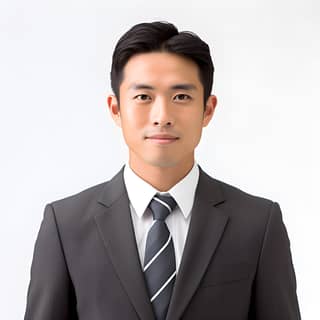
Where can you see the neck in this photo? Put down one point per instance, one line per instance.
(161, 178)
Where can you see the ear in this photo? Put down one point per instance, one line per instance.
(114, 110)
(209, 111)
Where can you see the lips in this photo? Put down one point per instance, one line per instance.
(162, 138)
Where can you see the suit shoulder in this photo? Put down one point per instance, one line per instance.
(238, 197)
(82, 198)
(83, 204)
(234, 191)
(244, 207)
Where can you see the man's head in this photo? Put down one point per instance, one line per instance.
(161, 37)
(162, 79)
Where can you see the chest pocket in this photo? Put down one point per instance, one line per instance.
(218, 274)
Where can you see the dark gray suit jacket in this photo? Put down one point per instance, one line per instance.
(236, 264)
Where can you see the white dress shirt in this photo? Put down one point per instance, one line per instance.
(140, 194)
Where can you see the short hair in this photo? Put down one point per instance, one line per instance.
(161, 37)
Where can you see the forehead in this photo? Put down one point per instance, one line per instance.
(160, 69)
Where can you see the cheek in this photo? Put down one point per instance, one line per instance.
(193, 130)
(194, 122)
(133, 120)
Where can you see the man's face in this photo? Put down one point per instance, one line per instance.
(161, 109)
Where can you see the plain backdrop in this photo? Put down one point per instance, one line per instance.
(55, 61)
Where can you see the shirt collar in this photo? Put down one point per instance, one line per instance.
(140, 192)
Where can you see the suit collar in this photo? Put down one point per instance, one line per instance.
(117, 233)
(112, 190)
(210, 189)
(207, 225)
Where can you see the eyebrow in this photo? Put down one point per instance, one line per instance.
(179, 86)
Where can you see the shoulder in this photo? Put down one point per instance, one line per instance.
(82, 198)
(249, 214)
(229, 191)
(88, 202)
(235, 200)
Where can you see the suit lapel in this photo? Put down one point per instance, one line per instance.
(206, 228)
(116, 230)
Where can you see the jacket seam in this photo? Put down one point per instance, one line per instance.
(265, 235)
(60, 242)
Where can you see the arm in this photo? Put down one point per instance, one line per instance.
(274, 293)
(50, 295)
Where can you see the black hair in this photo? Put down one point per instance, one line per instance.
(161, 36)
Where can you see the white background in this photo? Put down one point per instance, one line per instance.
(57, 137)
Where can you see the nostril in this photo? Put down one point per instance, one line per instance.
(157, 123)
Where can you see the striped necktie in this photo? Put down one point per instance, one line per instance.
(159, 261)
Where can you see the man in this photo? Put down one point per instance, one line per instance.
(162, 239)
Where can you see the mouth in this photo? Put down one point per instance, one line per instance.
(162, 138)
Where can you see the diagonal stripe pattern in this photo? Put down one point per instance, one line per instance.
(159, 261)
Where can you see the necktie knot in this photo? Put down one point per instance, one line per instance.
(161, 206)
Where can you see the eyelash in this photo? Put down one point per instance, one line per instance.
(185, 95)
(145, 95)
(141, 95)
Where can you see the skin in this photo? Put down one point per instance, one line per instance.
(161, 116)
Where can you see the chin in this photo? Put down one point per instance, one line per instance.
(163, 163)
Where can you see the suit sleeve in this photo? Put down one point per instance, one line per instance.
(50, 293)
(274, 292)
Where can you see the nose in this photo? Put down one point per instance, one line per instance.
(162, 115)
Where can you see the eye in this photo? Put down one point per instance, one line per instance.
(142, 97)
(182, 97)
